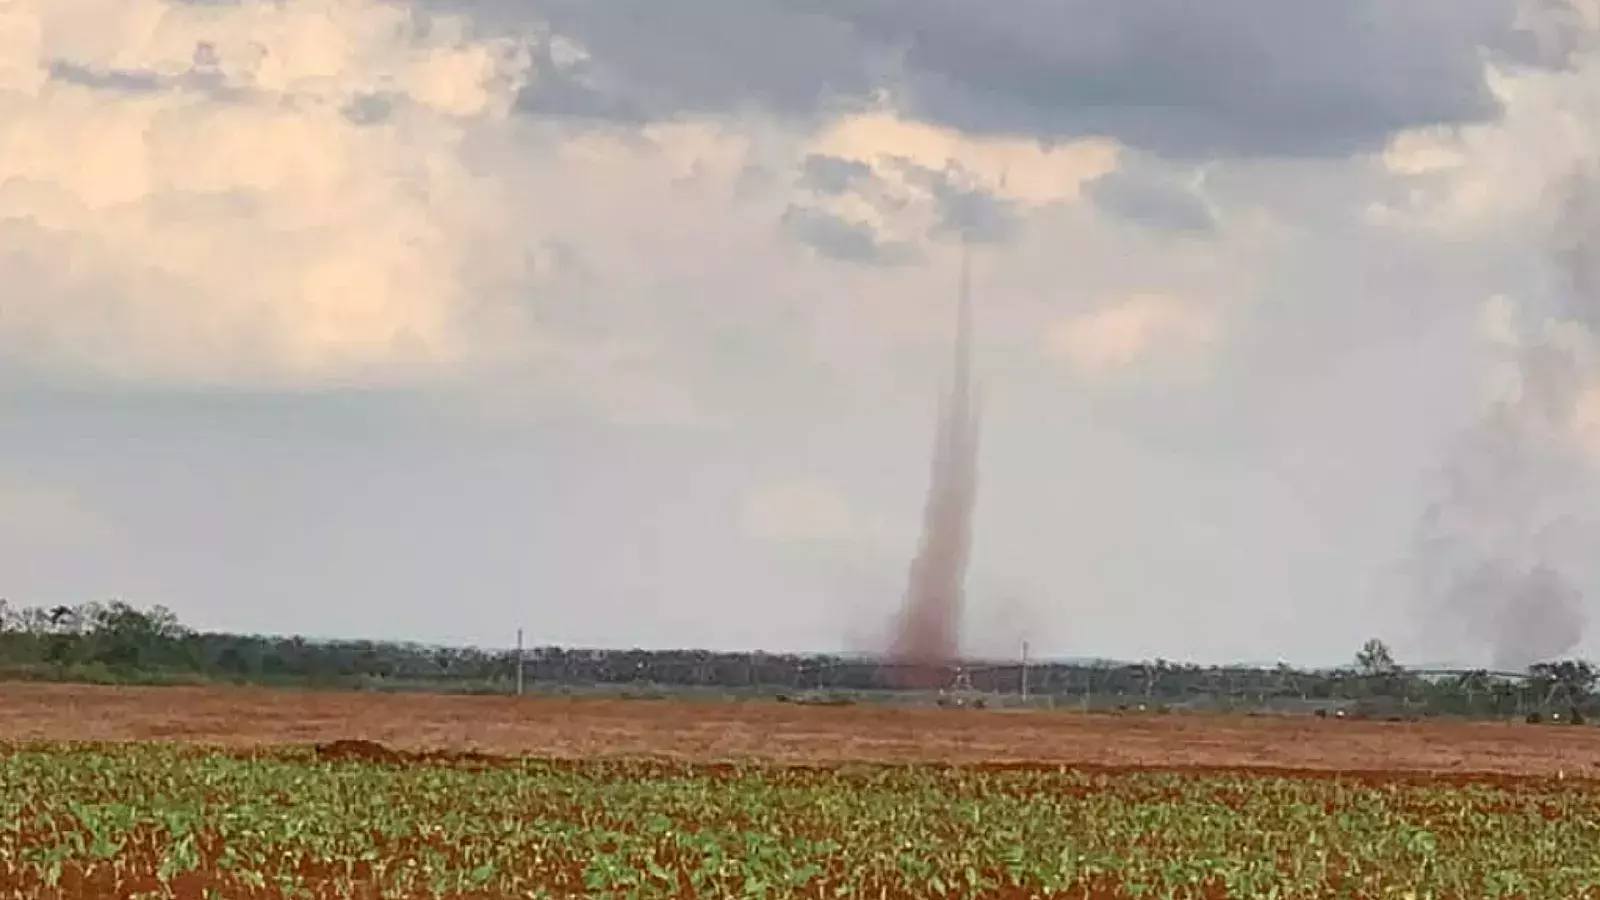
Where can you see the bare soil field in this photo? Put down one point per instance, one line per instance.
(697, 730)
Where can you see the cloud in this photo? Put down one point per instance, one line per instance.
(251, 193)
(1470, 182)
(840, 238)
(874, 187)
(966, 209)
(1234, 78)
(1017, 169)
(832, 175)
(1129, 330)
(1154, 200)
(561, 88)
(1537, 175)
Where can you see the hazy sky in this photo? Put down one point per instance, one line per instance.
(623, 320)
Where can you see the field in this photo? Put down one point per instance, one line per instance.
(250, 793)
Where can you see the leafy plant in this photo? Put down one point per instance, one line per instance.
(81, 821)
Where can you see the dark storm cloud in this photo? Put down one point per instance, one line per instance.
(961, 208)
(841, 239)
(1183, 78)
(704, 55)
(122, 80)
(1152, 201)
(977, 216)
(832, 175)
(370, 109)
(1228, 77)
(204, 77)
(571, 92)
(965, 210)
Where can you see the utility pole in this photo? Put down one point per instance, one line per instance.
(519, 662)
(1024, 673)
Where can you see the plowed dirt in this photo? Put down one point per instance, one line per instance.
(564, 727)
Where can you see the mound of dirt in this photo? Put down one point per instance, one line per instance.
(356, 751)
(352, 750)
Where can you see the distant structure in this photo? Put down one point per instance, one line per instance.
(927, 636)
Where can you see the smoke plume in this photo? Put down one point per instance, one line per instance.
(1494, 549)
(927, 637)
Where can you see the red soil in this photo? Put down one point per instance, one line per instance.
(711, 731)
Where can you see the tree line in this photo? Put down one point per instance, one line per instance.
(117, 642)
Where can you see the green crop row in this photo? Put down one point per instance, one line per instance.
(146, 820)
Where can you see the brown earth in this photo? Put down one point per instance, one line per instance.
(571, 727)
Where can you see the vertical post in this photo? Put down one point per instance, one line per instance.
(1024, 673)
(519, 662)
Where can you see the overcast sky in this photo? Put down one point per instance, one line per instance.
(624, 320)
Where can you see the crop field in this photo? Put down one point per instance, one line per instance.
(353, 820)
(766, 814)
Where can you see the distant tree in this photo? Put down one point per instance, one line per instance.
(116, 640)
(1571, 679)
(1380, 674)
(1374, 658)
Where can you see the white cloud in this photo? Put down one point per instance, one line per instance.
(1478, 179)
(188, 200)
(902, 210)
(1131, 330)
(1015, 168)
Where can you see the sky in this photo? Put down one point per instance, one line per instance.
(624, 322)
